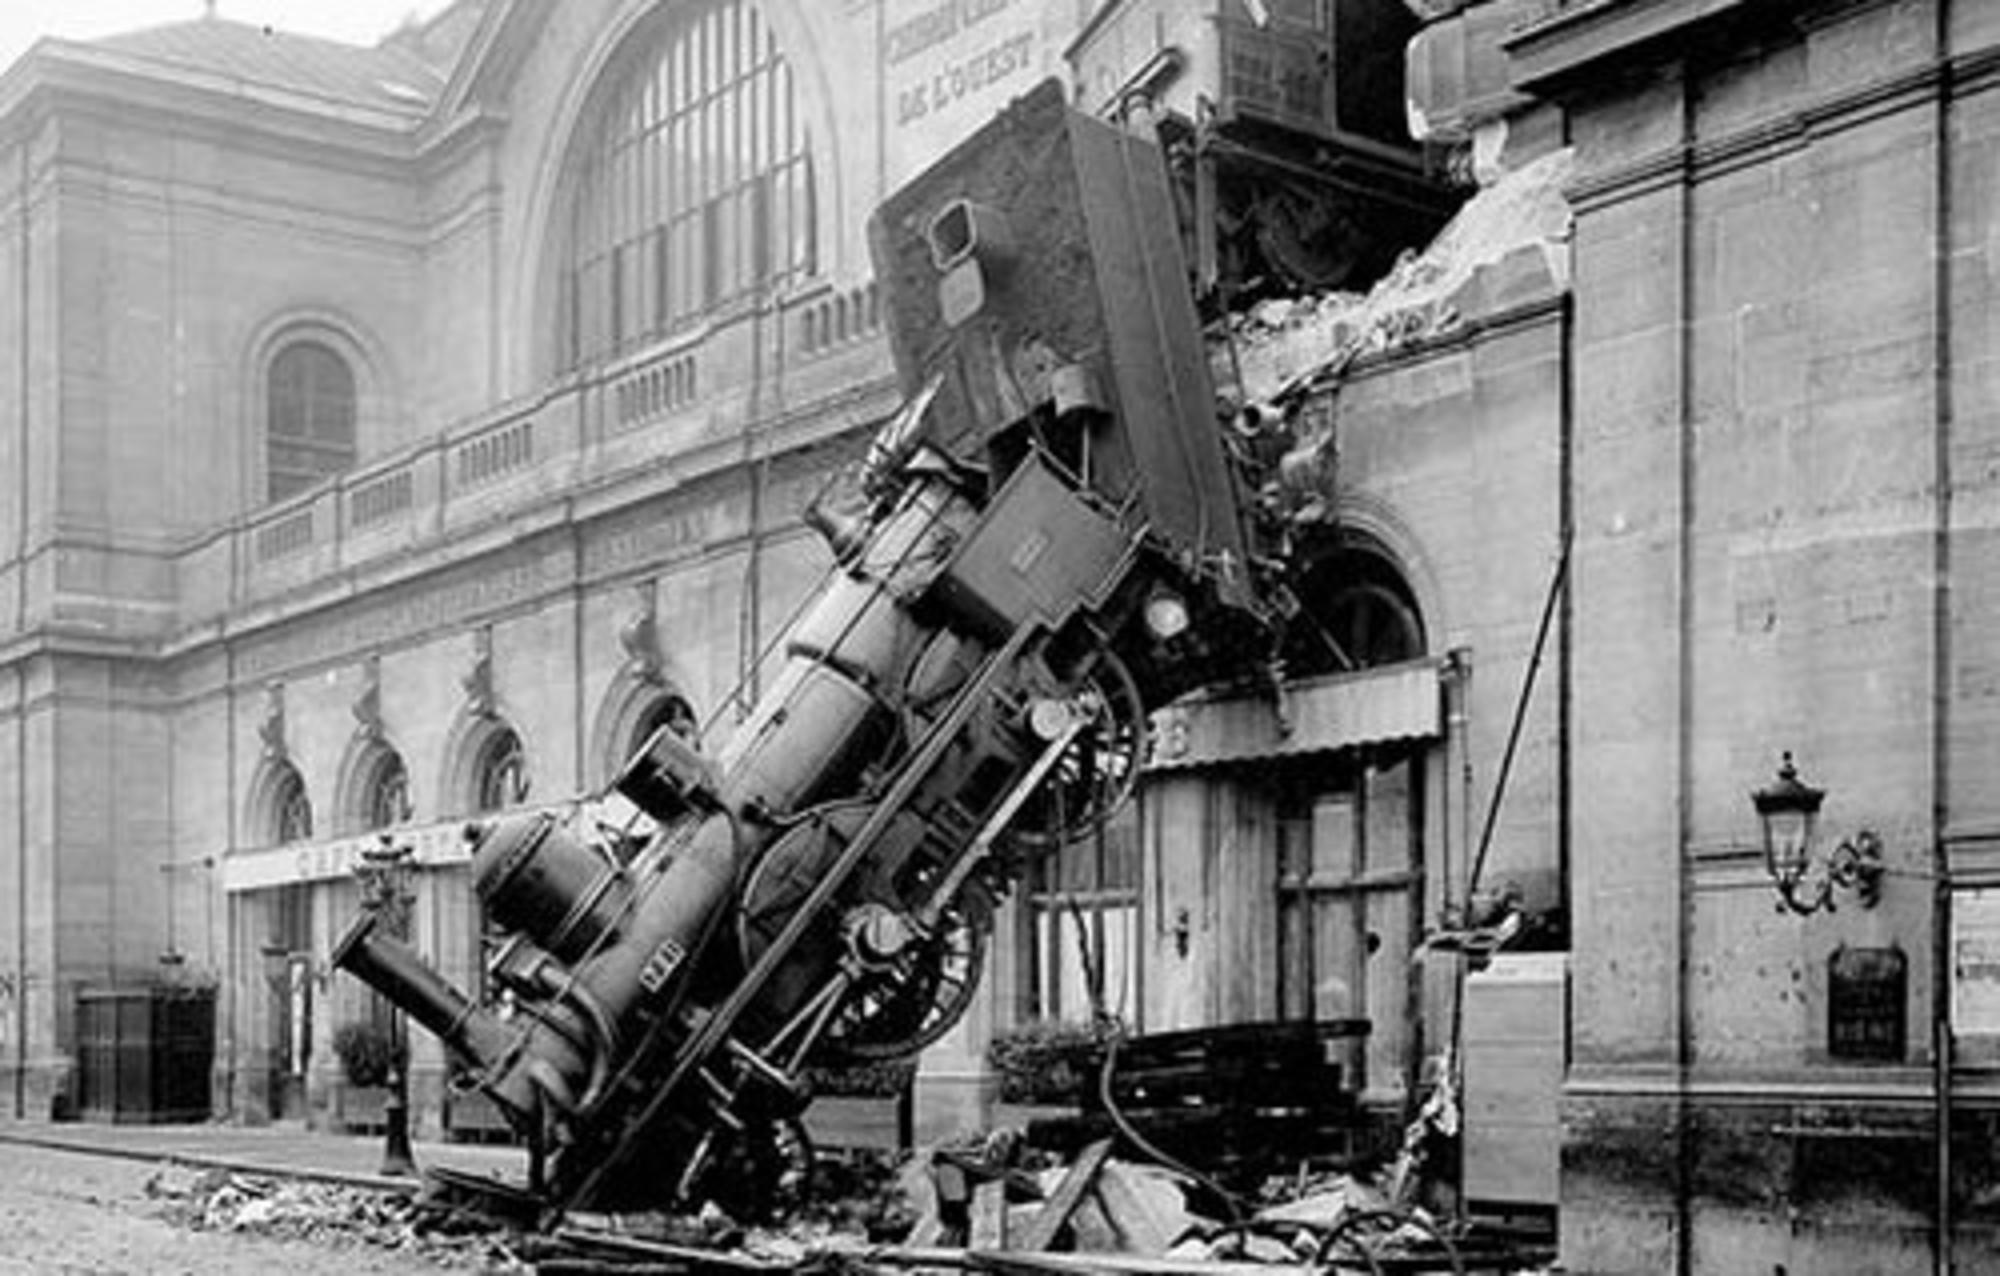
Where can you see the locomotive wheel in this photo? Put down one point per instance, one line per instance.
(760, 1172)
(1097, 773)
(905, 1000)
(904, 989)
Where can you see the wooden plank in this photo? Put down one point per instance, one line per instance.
(1092, 1226)
(697, 1259)
(1041, 1231)
(1131, 1265)
(988, 1226)
(1130, 1209)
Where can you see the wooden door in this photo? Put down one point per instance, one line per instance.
(1350, 887)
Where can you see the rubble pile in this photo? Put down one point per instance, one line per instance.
(1512, 235)
(995, 1208)
(332, 1215)
(988, 1204)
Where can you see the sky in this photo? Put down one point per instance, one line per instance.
(22, 22)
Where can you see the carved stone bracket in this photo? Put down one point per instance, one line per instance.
(271, 728)
(478, 680)
(640, 636)
(368, 702)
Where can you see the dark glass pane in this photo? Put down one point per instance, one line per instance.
(500, 774)
(293, 812)
(310, 418)
(388, 801)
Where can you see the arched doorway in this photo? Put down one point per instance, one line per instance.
(283, 816)
(1283, 834)
(1350, 825)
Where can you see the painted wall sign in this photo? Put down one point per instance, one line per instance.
(949, 65)
(1868, 1004)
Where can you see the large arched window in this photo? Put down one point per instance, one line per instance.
(694, 184)
(309, 417)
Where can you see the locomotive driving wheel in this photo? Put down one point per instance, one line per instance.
(912, 989)
(899, 984)
(1097, 773)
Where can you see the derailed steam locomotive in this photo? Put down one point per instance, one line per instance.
(1043, 544)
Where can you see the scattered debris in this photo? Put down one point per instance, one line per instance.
(994, 1204)
(1515, 231)
(329, 1214)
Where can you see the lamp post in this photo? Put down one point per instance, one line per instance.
(385, 874)
(1805, 876)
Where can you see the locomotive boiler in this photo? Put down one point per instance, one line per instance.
(1042, 544)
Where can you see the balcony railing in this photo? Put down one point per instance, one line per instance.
(663, 402)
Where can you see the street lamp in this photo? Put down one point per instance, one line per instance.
(385, 873)
(1805, 877)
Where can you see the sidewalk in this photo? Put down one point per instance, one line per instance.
(284, 1148)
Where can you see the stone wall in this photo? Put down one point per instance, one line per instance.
(1781, 270)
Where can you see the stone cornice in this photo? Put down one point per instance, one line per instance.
(505, 36)
(136, 83)
(1538, 310)
(1583, 34)
(1877, 1086)
(1790, 131)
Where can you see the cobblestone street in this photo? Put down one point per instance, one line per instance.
(67, 1212)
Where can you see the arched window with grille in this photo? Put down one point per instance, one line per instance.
(692, 182)
(385, 794)
(309, 431)
(499, 772)
(290, 809)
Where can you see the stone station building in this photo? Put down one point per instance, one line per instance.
(396, 435)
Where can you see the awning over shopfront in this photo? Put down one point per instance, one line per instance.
(1324, 715)
(434, 844)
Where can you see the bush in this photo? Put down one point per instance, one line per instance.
(1047, 1062)
(367, 1053)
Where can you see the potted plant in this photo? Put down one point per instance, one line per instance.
(1047, 1063)
(368, 1055)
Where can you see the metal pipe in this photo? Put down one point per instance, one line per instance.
(392, 968)
(1941, 649)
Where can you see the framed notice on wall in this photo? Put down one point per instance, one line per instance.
(1867, 1004)
(1975, 963)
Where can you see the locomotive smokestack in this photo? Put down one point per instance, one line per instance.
(394, 969)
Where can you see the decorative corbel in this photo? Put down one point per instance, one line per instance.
(368, 702)
(271, 729)
(640, 636)
(478, 680)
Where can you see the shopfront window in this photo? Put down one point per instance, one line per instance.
(1082, 909)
